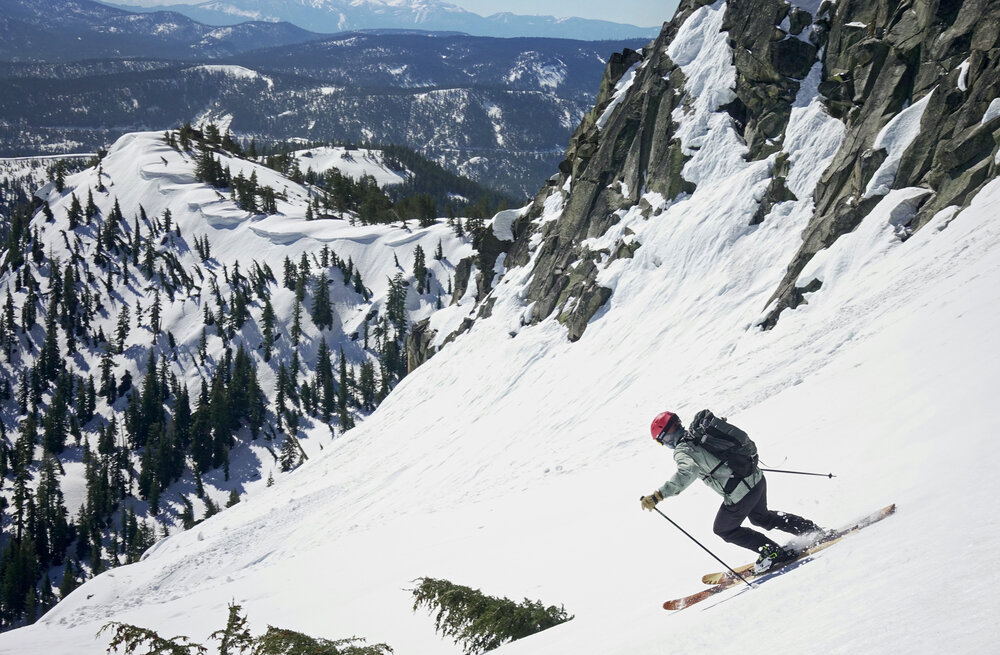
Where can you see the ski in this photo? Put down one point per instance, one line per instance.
(728, 580)
(874, 517)
(748, 576)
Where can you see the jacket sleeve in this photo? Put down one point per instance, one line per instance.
(687, 472)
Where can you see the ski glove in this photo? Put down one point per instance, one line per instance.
(649, 502)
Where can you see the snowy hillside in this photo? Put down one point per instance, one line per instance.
(192, 287)
(513, 460)
(352, 162)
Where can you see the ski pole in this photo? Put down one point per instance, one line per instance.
(822, 475)
(731, 569)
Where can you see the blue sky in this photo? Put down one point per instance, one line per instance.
(637, 12)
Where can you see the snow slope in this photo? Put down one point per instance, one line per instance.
(513, 460)
(353, 162)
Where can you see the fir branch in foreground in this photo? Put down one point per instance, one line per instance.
(478, 622)
(235, 639)
(132, 639)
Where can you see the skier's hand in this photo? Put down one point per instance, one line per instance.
(649, 502)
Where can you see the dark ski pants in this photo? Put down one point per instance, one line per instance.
(729, 520)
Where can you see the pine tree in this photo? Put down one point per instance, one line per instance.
(289, 457)
(346, 421)
(203, 346)
(49, 360)
(69, 580)
(55, 424)
(296, 330)
(91, 211)
(396, 305)
(324, 380)
(419, 267)
(322, 310)
(267, 328)
(366, 385)
(121, 332)
(154, 314)
(53, 517)
(75, 212)
(290, 274)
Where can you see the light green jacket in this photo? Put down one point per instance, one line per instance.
(694, 462)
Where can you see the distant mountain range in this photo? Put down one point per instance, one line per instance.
(80, 29)
(346, 15)
(79, 74)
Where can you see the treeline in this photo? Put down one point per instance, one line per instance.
(429, 191)
(453, 195)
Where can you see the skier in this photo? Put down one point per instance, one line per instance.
(742, 498)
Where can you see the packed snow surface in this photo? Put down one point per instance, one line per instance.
(513, 460)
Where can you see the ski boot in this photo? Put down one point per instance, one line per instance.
(771, 554)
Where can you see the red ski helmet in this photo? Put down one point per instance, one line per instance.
(662, 423)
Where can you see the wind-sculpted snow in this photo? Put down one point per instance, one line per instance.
(281, 230)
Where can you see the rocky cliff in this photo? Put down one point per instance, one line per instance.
(914, 83)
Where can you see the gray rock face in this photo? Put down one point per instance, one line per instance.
(418, 345)
(769, 62)
(606, 168)
(905, 51)
(878, 58)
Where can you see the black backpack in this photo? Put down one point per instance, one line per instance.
(730, 444)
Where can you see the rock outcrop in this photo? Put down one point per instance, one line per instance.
(873, 60)
(624, 147)
(881, 57)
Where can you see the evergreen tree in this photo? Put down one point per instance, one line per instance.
(91, 211)
(121, 332)
(366, 385)
(290, 274)
(322, 310)
(55, 424)
(267, 328)
(75, 212)
(54, 532)
(346, 421)
(289, 457)
(396, 305)
(419, 267)
(154, 314)
(324, 380)
(296, 330)
(69, 581)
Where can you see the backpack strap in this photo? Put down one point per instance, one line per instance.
(733, 481)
